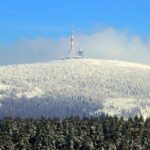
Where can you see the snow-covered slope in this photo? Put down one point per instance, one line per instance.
(75, 87)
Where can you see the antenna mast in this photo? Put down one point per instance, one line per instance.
(72, 44)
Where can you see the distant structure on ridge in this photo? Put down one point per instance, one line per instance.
(73, 53)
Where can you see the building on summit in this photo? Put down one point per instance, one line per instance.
(73, 53)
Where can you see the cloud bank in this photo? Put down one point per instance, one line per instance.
(105, 44)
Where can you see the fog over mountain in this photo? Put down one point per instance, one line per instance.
(107, 43)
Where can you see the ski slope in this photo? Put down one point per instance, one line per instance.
(75, 87)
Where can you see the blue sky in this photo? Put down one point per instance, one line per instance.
(30, 20)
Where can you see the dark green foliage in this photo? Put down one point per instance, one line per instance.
(103, 133)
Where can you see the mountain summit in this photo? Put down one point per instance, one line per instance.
(75, 87)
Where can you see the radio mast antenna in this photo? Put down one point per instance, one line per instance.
(72, 44)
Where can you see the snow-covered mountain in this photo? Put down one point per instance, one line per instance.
(75, 87)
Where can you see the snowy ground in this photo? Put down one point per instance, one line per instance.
(75, 87)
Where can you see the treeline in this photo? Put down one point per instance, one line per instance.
(74, 133)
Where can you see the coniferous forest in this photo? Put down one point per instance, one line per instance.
(74, 133)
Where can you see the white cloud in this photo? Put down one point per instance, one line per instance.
(105, 44)
(111, 44)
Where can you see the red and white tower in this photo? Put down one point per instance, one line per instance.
(72, 45)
